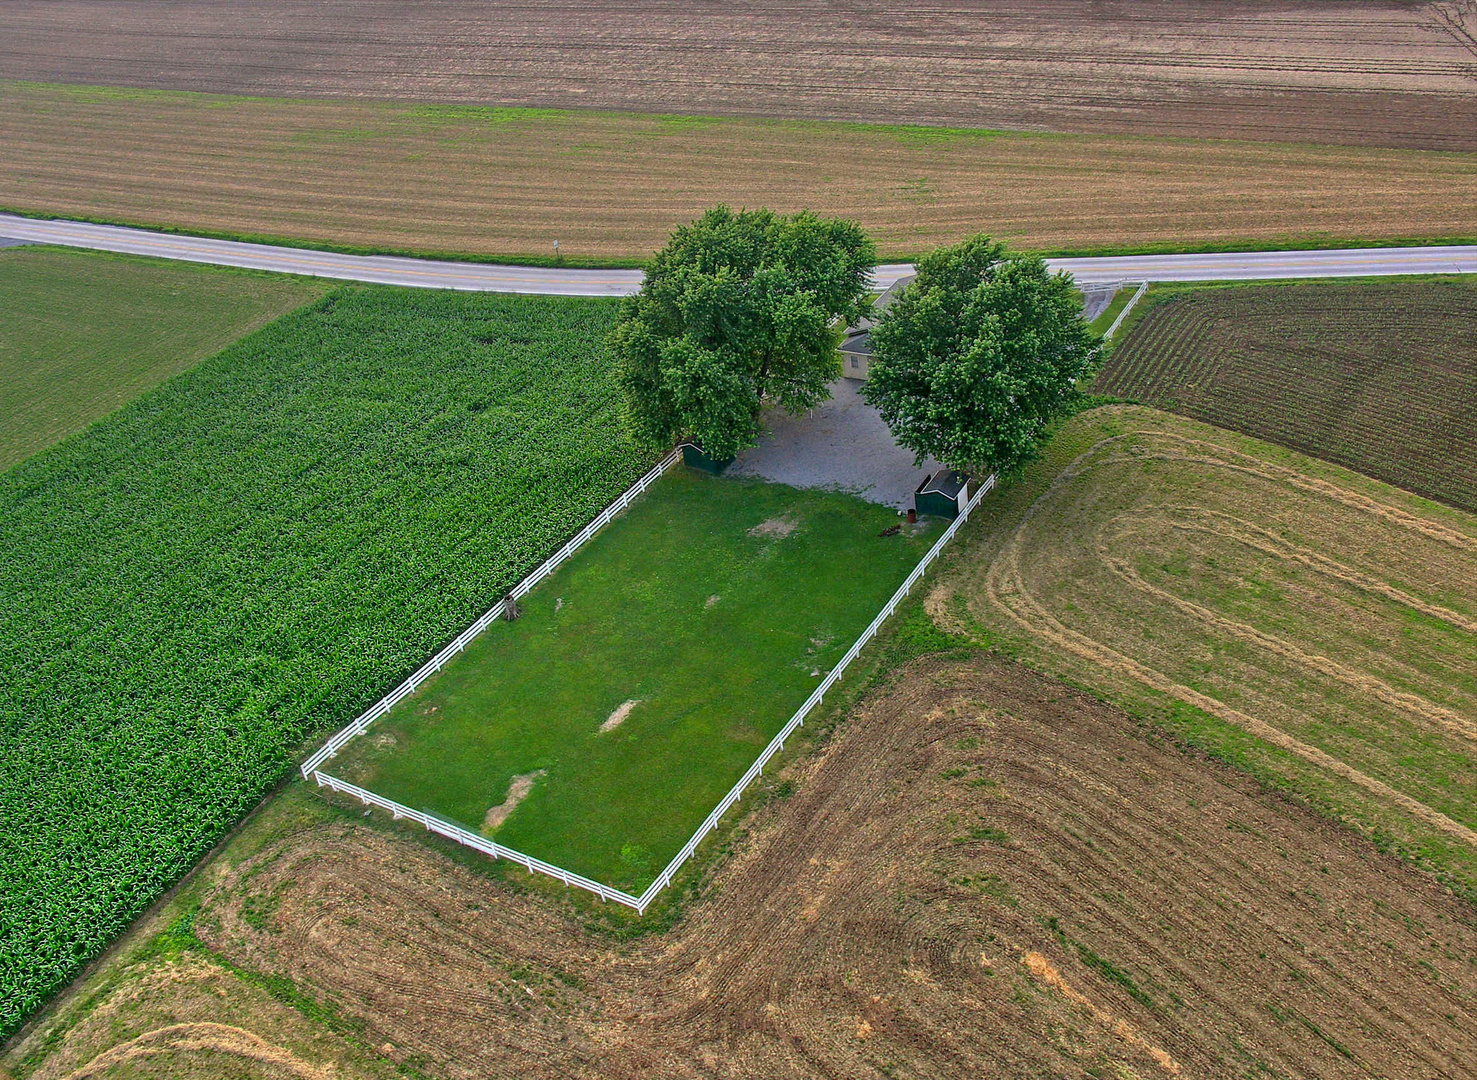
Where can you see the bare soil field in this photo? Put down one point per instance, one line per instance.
(1379, 376)
(982, 873)
(1313, 626)
(1334, 71)
(490, 182)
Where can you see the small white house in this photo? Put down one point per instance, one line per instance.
(856, 347)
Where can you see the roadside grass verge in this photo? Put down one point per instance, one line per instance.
(646, 675)
(504, 184)
(84, 332)
(1377, 375)
(1311, 626)
(248, 556)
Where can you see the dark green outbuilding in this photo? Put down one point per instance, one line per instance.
(694, 458)
(944, 494)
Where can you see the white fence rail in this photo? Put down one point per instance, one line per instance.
(437, 662)
(445, 828)
(481, 843)
(1132, 300)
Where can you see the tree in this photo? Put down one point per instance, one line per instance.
(739, 308)
(977, 355)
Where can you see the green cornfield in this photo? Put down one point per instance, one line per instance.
(1378, 376)
(250, 555)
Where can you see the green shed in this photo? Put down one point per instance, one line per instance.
(944, 494)
(694, 458)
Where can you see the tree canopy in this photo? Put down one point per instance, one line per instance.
(977, 355)
(738, 309)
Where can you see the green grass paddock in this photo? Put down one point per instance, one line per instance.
(720, 634)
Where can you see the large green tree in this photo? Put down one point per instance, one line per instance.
(977, 355)
(739, 308)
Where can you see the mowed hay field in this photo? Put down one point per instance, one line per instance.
(84, 332)
(1334, 71)
(1380, 376)
(500, 182)
(1315, 627)
(982, 873)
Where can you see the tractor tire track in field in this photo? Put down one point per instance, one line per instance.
(1412, 703)
(983, 872)
(1007, 589)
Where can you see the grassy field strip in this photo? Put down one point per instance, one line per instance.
(341, 738)
(379, 177)
(84, 332)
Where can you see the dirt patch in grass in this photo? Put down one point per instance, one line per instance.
(518, 790)
(623, 710)
(1347, 71)
(775, 528)
(1379, 376)
(1310, 624)
(493, 182)
(983, 873)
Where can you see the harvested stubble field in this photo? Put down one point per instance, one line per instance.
(982, 872)
(506, 182)
(1316, 627)
(1337, 71)
(1379, 376)
(84, 332)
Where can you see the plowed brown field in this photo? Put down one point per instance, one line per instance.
(1337, 71)
(494, 182)
(983, 873)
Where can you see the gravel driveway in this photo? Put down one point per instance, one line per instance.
(841, 445)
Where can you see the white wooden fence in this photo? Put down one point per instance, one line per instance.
(1132, 300)
(455, 832)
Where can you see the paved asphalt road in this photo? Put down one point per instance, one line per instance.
(487, 277)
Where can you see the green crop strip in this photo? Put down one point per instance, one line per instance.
(251, 554)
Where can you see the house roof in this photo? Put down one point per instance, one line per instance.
(944, 482)
(858, 344)
(880, 305)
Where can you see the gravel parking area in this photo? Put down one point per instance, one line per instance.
(841, 445)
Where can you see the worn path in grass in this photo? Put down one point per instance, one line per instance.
(1315, 626)
(83, 332)
(714, 604)
(1379, 376)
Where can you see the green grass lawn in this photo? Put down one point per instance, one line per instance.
(719, 633)
(84, 332)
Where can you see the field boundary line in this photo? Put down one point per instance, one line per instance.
(1132, 300)
(311, 768)
(358, 726)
